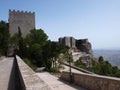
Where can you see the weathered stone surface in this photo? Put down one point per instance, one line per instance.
(93, 81)
(30, 79)
(84, 46)
(81, 49)
(67, 41)
(6, 65)
(57, 84)
(24, 20)
(86, 59)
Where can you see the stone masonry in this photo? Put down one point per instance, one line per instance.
(24, 20)
(93, 81)
(83, 45)
(67, 41)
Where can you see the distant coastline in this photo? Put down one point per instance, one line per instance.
(111, 55)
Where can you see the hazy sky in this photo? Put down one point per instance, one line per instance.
(97, 20)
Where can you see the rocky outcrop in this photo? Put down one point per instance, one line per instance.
(81, 49)
(86, 60)
(83, 45)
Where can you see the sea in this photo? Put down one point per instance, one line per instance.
(113, 56)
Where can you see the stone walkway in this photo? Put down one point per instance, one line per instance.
(55, 83)
(5, 70)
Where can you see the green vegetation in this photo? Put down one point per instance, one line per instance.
(80, 64)
(4, 36)
(28, 62)
(102, 67)
(35, 49)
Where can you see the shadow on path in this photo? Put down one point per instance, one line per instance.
(15, 80)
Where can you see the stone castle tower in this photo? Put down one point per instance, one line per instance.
(24, 20)
(67, 41)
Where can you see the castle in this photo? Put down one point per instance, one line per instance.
(81, 49)
(24, 20)
(68, 41)
(83, 45)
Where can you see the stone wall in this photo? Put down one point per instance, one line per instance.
(28, 79)
(93, 81)
(67, 41)
(24, 20)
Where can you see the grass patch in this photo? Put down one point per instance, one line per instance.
(28, 62)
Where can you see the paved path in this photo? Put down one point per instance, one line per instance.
(5, 70)
(55, 83)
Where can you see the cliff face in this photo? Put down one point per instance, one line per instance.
(84, 45)
(81, 45)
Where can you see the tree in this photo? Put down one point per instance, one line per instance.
(37, 48)
(56, 50)
(47, 55)
(4, 36)
(36, 41)
(21, 44)
(36, 36)
(52, 53)
(18, 42)
(102, 68)
(100, 59)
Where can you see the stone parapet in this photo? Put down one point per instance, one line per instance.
(93, 81)
(28, 78)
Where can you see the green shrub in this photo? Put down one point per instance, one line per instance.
(101, 68)
(54, 70)
(28, 62)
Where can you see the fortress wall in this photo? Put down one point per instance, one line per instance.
(24, 20)
(73, 42)
(93, 81)
(67, 41)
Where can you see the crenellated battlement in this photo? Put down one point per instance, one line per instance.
(23, 19)
(22, 12)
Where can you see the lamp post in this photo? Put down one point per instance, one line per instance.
(70, 58)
